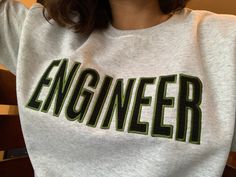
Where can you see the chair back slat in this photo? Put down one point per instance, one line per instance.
(11, 136)
(7, 88)
(17, 167)
(229, 171)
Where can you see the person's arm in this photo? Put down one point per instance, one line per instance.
(12, 17)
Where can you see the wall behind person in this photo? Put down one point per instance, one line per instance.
(28, 3)
(222, 7)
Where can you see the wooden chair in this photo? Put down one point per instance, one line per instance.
(230, 168)
(11, 134)
(11, 137)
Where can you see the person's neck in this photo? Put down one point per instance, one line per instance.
(136, 14)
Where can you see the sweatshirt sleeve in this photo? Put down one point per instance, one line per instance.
(233, 145)
(12, 16)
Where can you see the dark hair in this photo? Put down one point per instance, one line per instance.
(83, 16)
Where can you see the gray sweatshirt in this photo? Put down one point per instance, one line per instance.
(153, 102)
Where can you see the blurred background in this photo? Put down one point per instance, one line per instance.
(217, 6)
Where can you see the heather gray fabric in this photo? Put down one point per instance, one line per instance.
(154, 102)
